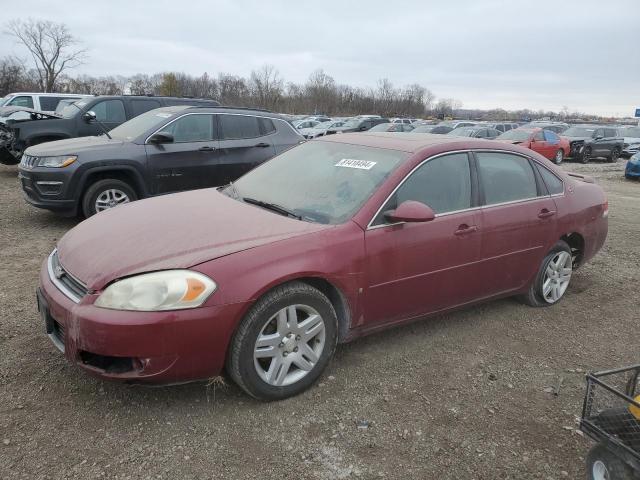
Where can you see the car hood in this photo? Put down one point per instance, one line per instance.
(311, 130)
(72, 146)
(512, 142)
(6, 111)
(344, 129)
(171, 231)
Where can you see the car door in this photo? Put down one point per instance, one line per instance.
(244, 144)
(599, 145)
(609, 140)
(191, 161)
(539, 144)
(110, 113)
(553, 143)
(518, 221)
(418, 268)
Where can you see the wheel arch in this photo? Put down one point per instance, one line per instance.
(124, 173)
(575, 240)
(334, 293)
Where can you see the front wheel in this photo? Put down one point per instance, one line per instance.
(559, 156)
(604, 465)
(553, 277)
(106, 194)
(284, 343)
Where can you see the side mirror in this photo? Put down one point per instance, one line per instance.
(410, 212)
(89, 116)
(161, 137)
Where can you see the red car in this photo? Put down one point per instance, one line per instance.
(545, 142)
(329, 241)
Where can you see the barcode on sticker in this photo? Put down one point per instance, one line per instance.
(353, 163)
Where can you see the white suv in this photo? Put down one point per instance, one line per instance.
(43, 102)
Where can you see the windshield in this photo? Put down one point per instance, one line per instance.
(631, 132)
(578, 132)
(5, 100)
(517, 135)
(73, 109)
(462, 132)
(382, 127)
(141, 124)
(323, 182)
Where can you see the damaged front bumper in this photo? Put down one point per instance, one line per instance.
(9, 154)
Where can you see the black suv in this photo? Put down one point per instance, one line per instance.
(162, 151)
(73, 121)
(591, 141)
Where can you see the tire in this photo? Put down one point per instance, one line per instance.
(586, 155)
(613, 158)
(550, 276)
(602, 464)
(253, 368)
(121, 192)
(558, 157)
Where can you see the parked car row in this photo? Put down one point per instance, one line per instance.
(17, 134)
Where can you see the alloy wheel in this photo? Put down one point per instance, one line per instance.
(559, 157)
(557, 277)
(111, 198)
(289, 345)
(600, 471)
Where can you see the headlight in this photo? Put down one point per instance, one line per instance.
(56, 162)
(150, 292)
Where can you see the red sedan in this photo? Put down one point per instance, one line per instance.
(329, 241)
(545, 142)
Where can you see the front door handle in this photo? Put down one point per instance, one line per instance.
(465, 229)
(262, 145)
(546, 213)
(206, 149)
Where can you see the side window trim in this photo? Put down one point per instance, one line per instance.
(214, 126)
(474, 189)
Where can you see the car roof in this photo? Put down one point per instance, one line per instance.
(237, 110)
(409, 143)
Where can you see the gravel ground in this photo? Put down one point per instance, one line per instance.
(459, 396)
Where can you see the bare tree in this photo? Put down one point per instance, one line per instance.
(266, 86)
(51, 45)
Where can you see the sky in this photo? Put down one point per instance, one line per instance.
(510, 54)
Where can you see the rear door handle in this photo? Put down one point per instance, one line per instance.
(546, 213)
(262, 145)
(465, 229)
(206, 149)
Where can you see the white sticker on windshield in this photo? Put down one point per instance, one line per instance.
(352, 163)
(163, 115)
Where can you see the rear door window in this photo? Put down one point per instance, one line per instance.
(236, 127)
(610, 132)
(505, 177)
(266, 126)
(49, 104)
(551, 137)
(139, 107)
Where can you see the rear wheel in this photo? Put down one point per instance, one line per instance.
(615, 153)
(284, 343)
(553, 277)
(604, 465)
(586, 155)
(559, 156)
(106, 194)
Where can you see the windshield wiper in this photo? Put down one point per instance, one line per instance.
(273, 207)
